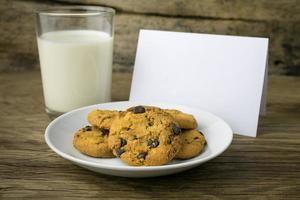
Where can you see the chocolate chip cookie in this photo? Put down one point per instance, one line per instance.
(193, 143)
(102, 118)
(143, 136)
(92, 141)
(185, 121)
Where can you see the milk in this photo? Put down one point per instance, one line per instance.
(76, 68)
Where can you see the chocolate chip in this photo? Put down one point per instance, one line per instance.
(120, 151)
(150, 123)
(142, 155)
(152, 143)
(123, 142)
(176, 130)
(138, 109)
(105, 131)
(88, 128)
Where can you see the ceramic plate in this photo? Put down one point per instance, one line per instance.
(59, 136)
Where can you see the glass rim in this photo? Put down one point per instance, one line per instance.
(76, 11)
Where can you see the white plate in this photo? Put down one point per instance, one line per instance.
(59, 136)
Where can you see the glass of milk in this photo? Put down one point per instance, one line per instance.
(75, 49)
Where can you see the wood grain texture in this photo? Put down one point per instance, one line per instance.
(279, 20)
(266, 167)
(255, 10)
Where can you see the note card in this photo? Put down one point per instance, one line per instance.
(224, 75)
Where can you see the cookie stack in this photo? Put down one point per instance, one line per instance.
(140, 136)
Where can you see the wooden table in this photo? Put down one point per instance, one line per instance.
(266, 167)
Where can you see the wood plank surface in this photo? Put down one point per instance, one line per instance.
(255, 10)
(278, 20)
(266, 167)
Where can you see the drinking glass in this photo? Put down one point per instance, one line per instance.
(76, 51)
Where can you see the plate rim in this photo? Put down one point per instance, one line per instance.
(132, 168)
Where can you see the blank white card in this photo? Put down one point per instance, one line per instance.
(221, 74)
